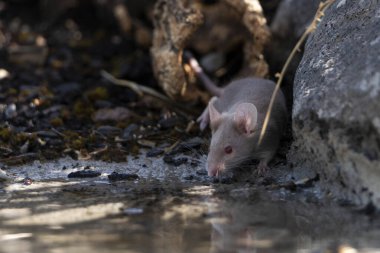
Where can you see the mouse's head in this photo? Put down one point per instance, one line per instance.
(232, 134)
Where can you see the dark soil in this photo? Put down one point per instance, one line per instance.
(53, 100)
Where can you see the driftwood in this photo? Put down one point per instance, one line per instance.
(175, 21)
(220, 27)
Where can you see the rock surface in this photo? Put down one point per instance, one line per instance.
(336, 111)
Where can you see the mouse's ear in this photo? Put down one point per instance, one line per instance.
(215, 116)
(245, 117)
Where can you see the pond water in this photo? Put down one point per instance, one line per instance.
(169, 209)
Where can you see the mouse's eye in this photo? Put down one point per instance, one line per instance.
(228, 150)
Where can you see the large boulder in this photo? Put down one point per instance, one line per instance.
(336, 111)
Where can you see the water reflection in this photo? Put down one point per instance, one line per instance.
(262, 225)
(97, 217)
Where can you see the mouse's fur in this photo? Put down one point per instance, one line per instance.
(236, 119)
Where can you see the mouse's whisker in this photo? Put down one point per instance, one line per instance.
(201, 160)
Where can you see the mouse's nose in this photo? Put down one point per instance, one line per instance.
(213, 172)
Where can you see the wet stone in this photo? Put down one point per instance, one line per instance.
(84, 174)
(122, 176)
(154, 152)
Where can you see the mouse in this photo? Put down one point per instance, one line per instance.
(236, 116)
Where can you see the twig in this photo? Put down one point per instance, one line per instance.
(98, 151)
(311, 28)
(170, 149)
(58, 132)
(139, 89)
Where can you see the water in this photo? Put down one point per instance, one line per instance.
(162, 212)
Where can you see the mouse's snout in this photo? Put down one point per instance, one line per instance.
(215, 170)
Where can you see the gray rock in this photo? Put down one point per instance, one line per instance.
(336, 111)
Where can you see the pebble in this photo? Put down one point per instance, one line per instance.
(175, 161)
(189, 145)
(10, 111)
(84, 174)
(122, 176)
(154, 152)
(27, 181)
